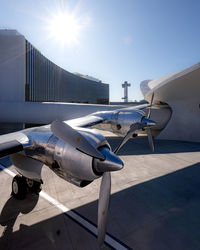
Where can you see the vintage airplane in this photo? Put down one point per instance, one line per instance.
(76, 153)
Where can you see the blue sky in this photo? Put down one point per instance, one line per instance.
(119, 40)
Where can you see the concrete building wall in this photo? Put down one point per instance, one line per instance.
(180, 91)
(12, 66)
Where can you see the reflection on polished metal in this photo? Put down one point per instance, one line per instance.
(148, 122)
(125, 122)
(119, 121)
(75, 139)
(64, 159)
(111, 163)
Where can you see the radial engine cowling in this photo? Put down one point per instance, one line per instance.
(77, 166)
(124, 119)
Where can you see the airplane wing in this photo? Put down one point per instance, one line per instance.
(12, 143)
(138, 107)
(86, 121)
(17, 141)
(96, 118)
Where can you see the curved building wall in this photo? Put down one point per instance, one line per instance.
(180, 91)
(27, 75)
(45, 81)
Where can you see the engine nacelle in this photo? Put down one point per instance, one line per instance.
(122, 120)
(74, 165)
(64, 158)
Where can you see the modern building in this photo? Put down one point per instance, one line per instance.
(27, 75)
(177, 95)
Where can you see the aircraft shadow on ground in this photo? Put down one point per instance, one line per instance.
(6, 162)
(140, 146)
(163, 213)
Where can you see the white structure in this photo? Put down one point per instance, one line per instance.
(12, 66)
(125, 85)
(181, 92)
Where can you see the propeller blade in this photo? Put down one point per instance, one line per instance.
(75, 139)
(137, 126)
(129, 134)
(150, 139)
(149, 113)
(148, 122)
(104, 198)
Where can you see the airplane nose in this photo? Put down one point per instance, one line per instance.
(148, 122)
(111, 163)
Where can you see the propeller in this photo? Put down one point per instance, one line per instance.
(133, 128)
(103, 205)
(104, 162)
(149, 113)
(150, 139)
(66, 133)
(145, 123)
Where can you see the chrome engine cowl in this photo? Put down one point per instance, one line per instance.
(123, 120)
(75, 164)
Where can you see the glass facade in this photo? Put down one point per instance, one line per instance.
(40, 76)
(46, 82)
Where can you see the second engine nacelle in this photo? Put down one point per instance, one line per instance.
(122, 120)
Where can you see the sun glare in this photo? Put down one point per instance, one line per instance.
(64, 28)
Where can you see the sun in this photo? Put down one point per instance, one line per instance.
(64, 28)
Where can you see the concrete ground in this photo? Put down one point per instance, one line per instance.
(155, 203)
